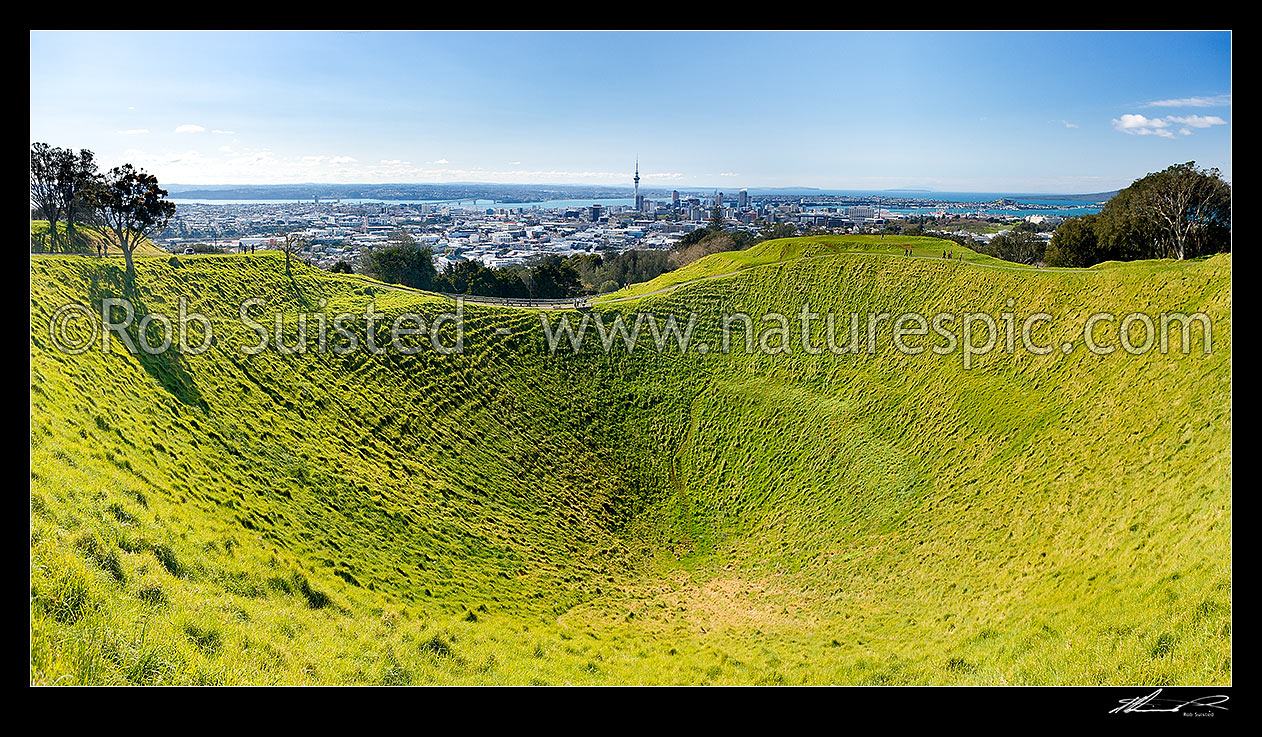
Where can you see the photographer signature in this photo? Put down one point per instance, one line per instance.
(1151, 703)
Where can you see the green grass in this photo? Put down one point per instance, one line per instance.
(513, 516)
(779, 251)
(88, 237)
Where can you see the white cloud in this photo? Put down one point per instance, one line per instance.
(1067, 124)
(729, 174)
(1214, 101)
(514, 163)
(330, 159)
(190, 128)
(134, 132)
(1197, 121)
(440, 161)
(1139, 125)
(224, 133)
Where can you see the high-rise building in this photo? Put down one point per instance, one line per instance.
(742, 199)
(860, 214)
(718, 200)
(674, 198)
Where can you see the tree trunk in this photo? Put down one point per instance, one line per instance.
(53, 240)
(131, 267)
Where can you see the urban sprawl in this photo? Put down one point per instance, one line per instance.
(499, 236)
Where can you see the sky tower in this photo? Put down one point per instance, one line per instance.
(639, 203)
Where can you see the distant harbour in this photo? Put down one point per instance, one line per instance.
(949, 202)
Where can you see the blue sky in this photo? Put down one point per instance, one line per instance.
(1010, 112)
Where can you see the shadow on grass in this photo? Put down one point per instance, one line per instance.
(299, 295)
(168, 367)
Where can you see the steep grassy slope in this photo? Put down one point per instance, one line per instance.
(892, 518)
(791, 249)
(511, 515)
(281, 484)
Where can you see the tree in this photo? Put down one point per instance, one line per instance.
(46, 165)
(1190, 207)
(132, 207)
(472, 277)
(1075, 242)
(716, 220)
(401, 236)
(712, 243)
(1179, 212)
(406, 265)
(772, 231)
(553, 277)
(60, 183)
(76, 189)
(467, 277)
(690, 238)
(1122, 230)
(341, 267)
(634, 265)
(1018, 246)
(294, 243)
(589, 266)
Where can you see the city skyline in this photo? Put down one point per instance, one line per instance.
(950, 112)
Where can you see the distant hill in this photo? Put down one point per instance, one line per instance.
(1095, 197)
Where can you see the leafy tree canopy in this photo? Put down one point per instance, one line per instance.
(403, 264)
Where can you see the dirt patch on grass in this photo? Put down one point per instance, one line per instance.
(682, 604)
